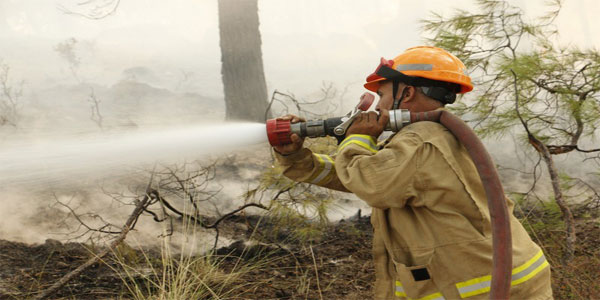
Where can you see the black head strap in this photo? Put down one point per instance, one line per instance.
(395, 83)
(439, 93)
(397, 102)
(444, 92)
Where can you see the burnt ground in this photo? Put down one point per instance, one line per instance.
(25, 269)
(341, 257)
(283, 268)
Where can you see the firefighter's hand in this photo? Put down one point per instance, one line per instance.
(297, 141)
(369, 123)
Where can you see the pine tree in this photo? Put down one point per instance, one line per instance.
(525, 82)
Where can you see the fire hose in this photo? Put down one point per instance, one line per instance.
(279, 131)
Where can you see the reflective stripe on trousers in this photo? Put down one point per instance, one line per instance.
(520, 274)
(399, 292)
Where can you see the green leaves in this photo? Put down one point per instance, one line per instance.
(553, 90)
(298, 210)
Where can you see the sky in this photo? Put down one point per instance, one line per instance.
(305, 43)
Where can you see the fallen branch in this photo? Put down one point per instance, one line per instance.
(198, 221)
(215, 225)
(129, 224)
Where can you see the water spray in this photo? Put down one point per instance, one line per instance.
(279, 132)
(63, 157)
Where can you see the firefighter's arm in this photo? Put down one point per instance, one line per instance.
(383, 178)
(306, 166)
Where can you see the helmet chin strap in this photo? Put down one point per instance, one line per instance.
(397, 101)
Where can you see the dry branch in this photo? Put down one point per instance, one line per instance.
(543, 150)
(129, 224)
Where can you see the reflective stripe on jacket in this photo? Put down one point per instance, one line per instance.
(432, 232)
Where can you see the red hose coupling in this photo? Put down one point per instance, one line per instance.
(278, 132)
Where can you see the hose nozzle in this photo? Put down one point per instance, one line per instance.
(279, 131)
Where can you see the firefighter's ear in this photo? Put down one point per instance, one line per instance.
(410, 93)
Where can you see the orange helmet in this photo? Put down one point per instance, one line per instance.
(423, 66)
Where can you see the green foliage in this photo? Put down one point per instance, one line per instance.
(541, 216)
(518, 198)
(566, 181)
(297, 210)
(549, 218)
(127, 254)
(525, 83)
(577, 280)
(302, 213)
(522, 78)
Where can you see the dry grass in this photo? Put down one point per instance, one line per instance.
(579, 278)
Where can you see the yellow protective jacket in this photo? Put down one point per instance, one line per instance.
(432, 231)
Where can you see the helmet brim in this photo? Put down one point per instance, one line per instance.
(374, 85)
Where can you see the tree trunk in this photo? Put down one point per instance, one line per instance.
(242, 67)
(558, 196)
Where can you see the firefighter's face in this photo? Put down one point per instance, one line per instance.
(385, 92)
(386, 99)
(385, 96)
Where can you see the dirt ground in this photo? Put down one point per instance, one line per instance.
(338, 265)
(342, 257)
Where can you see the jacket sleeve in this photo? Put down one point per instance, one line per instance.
(309, 167)
(383, 178)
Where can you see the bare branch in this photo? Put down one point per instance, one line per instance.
(129, 224)
(95, 116)
(9, 98)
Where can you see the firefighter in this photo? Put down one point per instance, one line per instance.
(432, 231)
